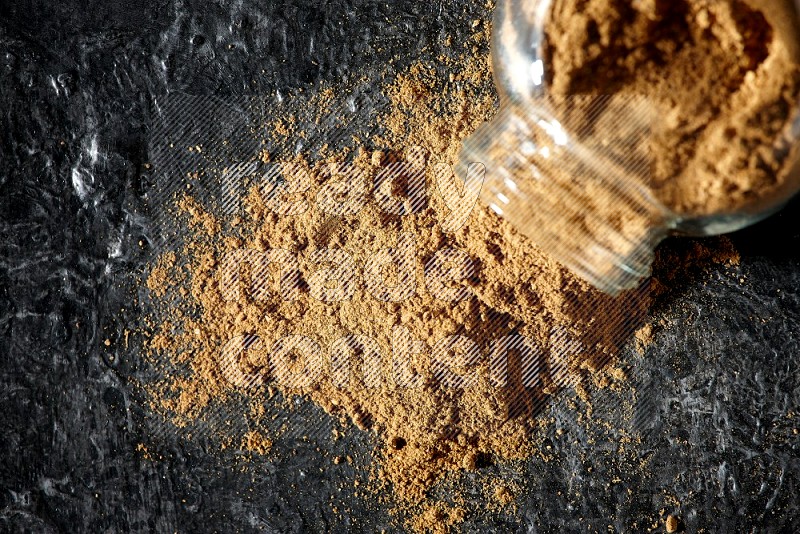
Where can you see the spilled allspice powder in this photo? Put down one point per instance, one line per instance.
(511, 289)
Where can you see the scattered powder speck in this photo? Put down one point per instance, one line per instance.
(644, 337)
(437, 518)
(255, 441)
(503, 495)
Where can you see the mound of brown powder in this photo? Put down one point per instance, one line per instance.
(429, 427)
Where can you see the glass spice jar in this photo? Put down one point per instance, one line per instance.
(587, 199)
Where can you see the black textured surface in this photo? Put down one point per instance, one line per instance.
(79, 85)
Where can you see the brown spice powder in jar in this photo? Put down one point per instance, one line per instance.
(722, 74)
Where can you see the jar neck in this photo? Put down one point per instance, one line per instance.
(587, 206)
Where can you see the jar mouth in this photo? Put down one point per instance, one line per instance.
(591, 212)
(622, 273)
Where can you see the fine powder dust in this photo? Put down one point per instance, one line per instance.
(506, 287)
(723, 77)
